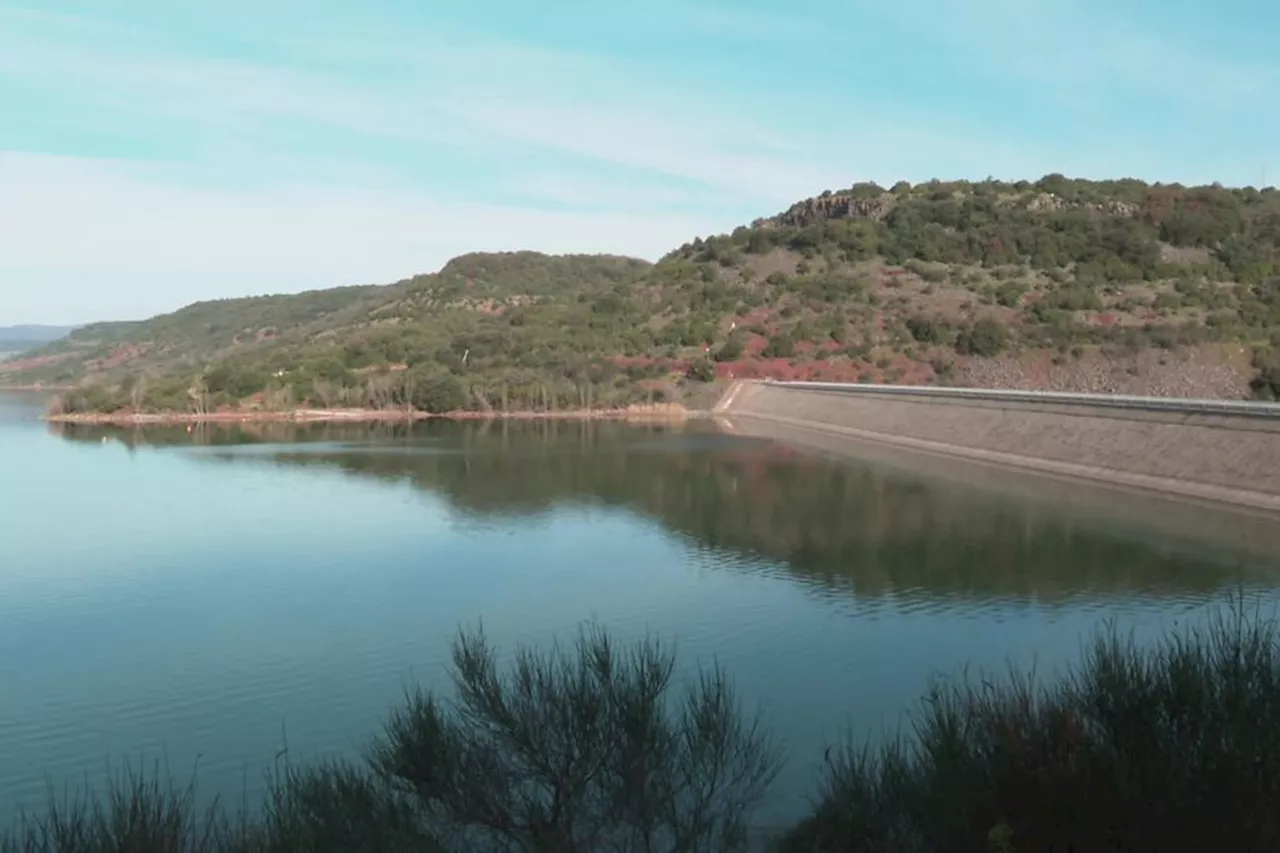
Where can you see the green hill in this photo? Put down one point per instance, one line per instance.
(1058, 283)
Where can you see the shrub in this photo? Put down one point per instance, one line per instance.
(579, 752)
(1010, 294)
(928, 272)
(701, 371)
(583, 750)
(1075, 299)
(1266, 384)
(987, 337)
(236, 383)
(731, 350)
(338, 807)
(780, 346)
(1175, 748)
(926, 329)
(1171, 747)
(432, 391)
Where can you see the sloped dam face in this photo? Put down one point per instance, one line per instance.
(1215, 464)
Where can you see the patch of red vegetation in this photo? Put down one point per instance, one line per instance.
(813, 363)
(32, 363)
(119, 355)
(913, 372)
(785, 370)
(754, 345)
(1105, 319)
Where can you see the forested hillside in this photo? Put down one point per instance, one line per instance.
(1064, 284)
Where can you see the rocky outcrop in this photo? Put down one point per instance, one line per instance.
(838, 205)
(1050, 203)
(859, 203)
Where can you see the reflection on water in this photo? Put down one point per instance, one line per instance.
(206, 595)
(839, 525)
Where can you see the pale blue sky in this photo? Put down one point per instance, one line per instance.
(155, 152)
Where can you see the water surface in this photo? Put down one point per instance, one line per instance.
(208, 597)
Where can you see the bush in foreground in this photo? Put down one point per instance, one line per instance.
(1175, 747)
(578, 752)
(1172, 748)
(584, 750)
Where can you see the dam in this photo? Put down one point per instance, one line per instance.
(1205, 466)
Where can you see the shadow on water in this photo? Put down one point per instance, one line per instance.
(839, 526)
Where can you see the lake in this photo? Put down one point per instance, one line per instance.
(202, 600)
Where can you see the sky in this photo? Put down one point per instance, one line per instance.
(154, 153)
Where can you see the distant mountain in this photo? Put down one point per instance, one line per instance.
(1057, 284)
(14, 339)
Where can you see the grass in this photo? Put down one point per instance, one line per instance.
(1174, 746)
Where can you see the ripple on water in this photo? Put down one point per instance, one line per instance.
(832, 595)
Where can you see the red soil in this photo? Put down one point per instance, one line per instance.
(31, 363)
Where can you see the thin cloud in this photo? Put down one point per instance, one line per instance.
(453, 99)
(367, 156)
(460, 92)
(67, 221)
(1070, 49)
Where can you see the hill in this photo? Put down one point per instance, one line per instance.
(1058, 283)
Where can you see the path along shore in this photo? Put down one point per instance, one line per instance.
(665, 412)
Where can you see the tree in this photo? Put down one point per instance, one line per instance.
(578, 752)
(436, 392)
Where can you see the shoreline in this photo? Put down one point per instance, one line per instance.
(663, 412)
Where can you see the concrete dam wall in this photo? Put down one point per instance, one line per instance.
(1223, 452)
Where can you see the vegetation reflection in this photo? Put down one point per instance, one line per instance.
(848, 528)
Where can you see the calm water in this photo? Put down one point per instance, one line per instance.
(203, 599)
